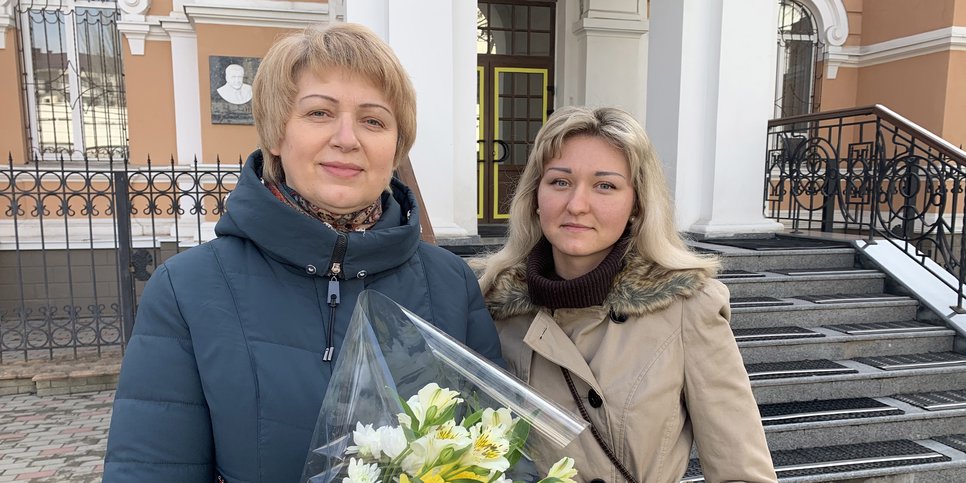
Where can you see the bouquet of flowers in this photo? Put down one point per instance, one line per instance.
(408, 404)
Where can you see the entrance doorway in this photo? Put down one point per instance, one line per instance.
(514, 96)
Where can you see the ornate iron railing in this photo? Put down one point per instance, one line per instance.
(78, 239)
(869, 171)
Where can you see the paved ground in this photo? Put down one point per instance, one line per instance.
(54, 438)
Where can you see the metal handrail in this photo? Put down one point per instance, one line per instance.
(870, 171)
(883, 112)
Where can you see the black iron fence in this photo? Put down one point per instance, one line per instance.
(78, 239)
(869, 171)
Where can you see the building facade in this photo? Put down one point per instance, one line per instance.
(167, 80)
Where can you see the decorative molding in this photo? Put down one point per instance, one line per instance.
(611, 27)
(257, 13)
(941, 40)
(832, 19)
(6, 20)
(133, 9)
(136, 32)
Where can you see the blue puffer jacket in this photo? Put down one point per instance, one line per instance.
(224, 374)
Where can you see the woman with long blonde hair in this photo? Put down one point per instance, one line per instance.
(601, 306)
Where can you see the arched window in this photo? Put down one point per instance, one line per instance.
(799, 51)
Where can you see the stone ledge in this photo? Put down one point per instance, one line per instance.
(59, 377)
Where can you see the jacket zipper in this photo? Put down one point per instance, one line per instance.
(334, 297)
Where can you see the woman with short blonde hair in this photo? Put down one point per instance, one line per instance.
(235, 339)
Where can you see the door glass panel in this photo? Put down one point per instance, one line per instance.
(523, 89)
(539, 44)
(540, 18)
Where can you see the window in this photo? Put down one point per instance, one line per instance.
(74, 86)
(798, 53)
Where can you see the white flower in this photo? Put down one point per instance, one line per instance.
(367, 442)
(488, 449)
(431, 395)
(500, 477)
(359, 472)
(564, 470)
(447, 435)
(392, 441)
(499, 418)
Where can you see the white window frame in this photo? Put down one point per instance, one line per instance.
(78, 141)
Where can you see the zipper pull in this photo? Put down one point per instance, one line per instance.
(327, 354)
(334, 297)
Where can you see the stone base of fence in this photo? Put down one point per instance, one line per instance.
(57, 377)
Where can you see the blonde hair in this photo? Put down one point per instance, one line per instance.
(352, 47)
(652, 231)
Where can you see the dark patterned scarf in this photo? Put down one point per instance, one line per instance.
(356, 221)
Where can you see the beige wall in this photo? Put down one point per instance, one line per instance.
(839, 93)
(225, 140)
(915, 88)
(853, 10)
(959, 17)
(890, 19)
(12, 139)
(954, 123)
(160, 7)
(150, 103)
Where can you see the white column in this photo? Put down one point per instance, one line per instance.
(436, 42)
(604, 54)
(710, 95)
(187, 99)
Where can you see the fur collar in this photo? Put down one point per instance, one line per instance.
(641, 287)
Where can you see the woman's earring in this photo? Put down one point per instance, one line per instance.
(538, 211)
(631, 220)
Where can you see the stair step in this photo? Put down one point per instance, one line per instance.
(779, 285)
(914, 361)
(823, 343)
(842, 458)
(728, 274)
(804, 272)
(759, 261)
(955, 441)
(758, 302)
(774, 333)
(776, 370)
(866, 381)
(825, 410)
(776, 243)
(935, 401)
(807, 314)
(851, 298)
(886, 328)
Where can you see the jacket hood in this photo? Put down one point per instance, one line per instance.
(292, 238)
(641, 287)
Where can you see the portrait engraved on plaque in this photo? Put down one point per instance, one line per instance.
(231, 88)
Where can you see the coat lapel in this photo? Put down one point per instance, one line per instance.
(546, 338)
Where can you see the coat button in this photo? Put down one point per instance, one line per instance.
(362, 274)
(594, 399)
(597, 480)
(617, 317)
(310, 269)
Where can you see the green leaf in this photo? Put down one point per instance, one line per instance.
(431, 415)
(472, 419)
(409, 412)
(519, 434)
(513, 456)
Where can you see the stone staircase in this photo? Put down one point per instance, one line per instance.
(854, 379)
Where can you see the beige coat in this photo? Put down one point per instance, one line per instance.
(669, 374)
